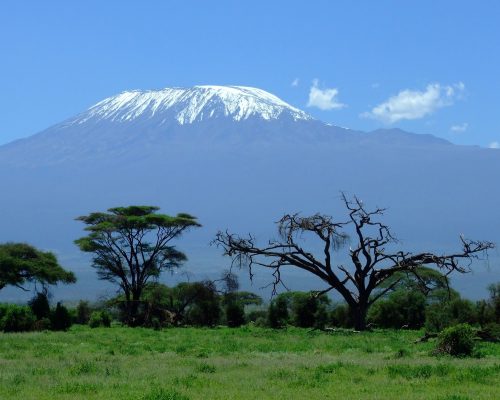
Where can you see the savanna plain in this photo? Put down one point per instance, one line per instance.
(239, 363)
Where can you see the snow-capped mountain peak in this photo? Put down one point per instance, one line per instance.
(190, 105)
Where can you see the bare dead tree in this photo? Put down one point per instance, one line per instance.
(360, 284)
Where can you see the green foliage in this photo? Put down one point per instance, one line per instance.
(493, 330)
(83, 312)
(15, 318)
(403, 308)
(277, 314)
(100, 319)
(205, 309)
(258, 317)
(306, 308)
(235, 314)
(39, 305)
(60, 318)
(21, 263)
(457, 340)
(43, 324)
(301, 309)
(131, 247)
(341, 316)
(442, 315)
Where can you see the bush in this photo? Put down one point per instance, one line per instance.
(40, 306)
(492, 330)
(443, 315)
(457, 340)
(83, 312)
(341, 316)
(235, 314)
(60, 318)
(16, 318)
(43, 324)
(100, 319)
(277, 316)
(403, 308)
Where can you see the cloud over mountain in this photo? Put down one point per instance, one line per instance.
(415, 104)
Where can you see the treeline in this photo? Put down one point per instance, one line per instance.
(132, 247)
(204, 304)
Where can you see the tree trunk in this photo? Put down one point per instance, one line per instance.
(358, 314)
(132, 309)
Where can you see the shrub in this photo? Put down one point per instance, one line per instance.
(100, 319)
(277, 316)
(43, 324)
(255, 315)
(457, 340)
(40, 306)
(60, 318)
(83, 312)
(402, 308)
(235, 315)
(443, 315)
(304, 307)
(341, 316)
(17, 319)
(492, 330)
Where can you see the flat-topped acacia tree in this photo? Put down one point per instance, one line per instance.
(21, 264)
(376, 268)
(132, 246)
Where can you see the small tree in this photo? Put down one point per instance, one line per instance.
(83, 312)
(60, 318)
(235, 314)
(40, 306)
(21, 263)
(131, 247)
(277, 316)
(372, 261)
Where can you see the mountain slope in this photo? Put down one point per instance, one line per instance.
(240, 167)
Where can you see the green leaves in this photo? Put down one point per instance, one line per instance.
(21, 263)
(131, 247)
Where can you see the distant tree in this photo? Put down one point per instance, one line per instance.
(39, 305)
(15, 318)
(403, 308)
(235, 314)
(21, 263)
(372, 261)
(83, 312)
(205, 308)
(131, 247)
(277, 315)
(60, 318)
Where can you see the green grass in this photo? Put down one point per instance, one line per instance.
(245, 363)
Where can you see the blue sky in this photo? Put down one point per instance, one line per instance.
(426, 66)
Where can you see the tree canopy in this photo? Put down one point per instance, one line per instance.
(131, 247)
(373, 260)
(21, 264)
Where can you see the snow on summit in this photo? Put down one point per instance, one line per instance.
(189, 105)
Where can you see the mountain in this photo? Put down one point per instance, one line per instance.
(238, 158)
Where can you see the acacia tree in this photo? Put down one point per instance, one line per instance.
(21, 263)
(372, 263)
(131, 247)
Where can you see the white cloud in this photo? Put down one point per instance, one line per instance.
(295, 82)
(460, 128)
(494, 145)
(415, 104)
(324, 99)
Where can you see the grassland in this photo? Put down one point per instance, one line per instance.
(245, 363)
